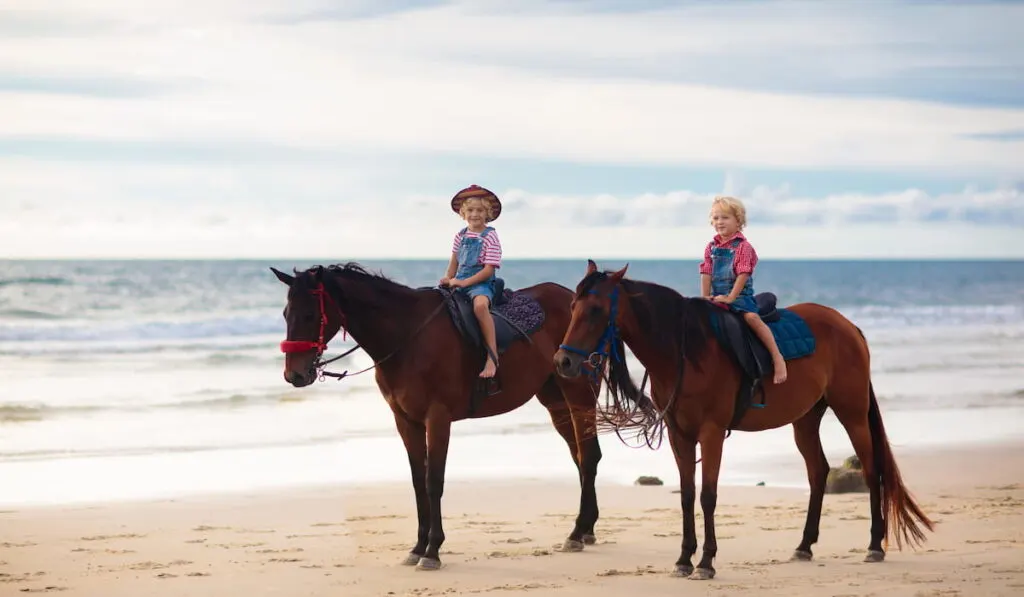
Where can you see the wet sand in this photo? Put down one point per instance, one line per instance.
(504, 538)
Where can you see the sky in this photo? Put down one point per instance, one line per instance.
(341, 128)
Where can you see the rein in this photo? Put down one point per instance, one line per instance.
(293, 346)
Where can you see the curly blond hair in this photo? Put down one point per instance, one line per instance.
(731, 205)
(485, 201)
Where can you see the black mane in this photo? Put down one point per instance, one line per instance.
(371, 290)
(678, 326)
(676, 322)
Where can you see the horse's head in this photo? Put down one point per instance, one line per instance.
(312, 318)
(596, 311)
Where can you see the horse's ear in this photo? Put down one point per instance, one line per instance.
(617, 276)
(283, 277)
(318, 274)
(591, 266)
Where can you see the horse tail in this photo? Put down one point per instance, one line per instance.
(901, 515)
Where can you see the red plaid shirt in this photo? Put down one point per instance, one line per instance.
(745, 258)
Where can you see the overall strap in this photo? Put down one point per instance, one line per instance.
(487, 230)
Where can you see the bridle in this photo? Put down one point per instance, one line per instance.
(607, 344)
(320, 345)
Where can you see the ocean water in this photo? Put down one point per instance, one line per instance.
(146, 379)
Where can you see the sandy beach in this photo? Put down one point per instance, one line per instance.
(502, 538)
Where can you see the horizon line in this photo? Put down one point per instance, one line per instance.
(512, 259)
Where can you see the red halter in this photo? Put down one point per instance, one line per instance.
(319, 345)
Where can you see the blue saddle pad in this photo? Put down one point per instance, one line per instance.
(792, 334)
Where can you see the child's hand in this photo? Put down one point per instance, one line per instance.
(445, 281)
(456, 283)
(722, 299)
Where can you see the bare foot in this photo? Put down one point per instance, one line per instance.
(489, 369)
(780, 371)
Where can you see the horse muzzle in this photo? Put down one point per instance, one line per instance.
(567, 364)
(299, 380)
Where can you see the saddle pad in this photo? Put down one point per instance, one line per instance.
(522, 310)
(516, 311)
(792, 334)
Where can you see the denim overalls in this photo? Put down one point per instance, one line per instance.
(470, 250)
(723, 276)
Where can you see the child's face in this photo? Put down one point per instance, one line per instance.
(724, 222)
(475, 212)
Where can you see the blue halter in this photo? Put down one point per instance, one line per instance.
(607, 344)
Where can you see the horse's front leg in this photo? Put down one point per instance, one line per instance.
(684, 447)
(711, 440)
(439, 427)
(414, 437)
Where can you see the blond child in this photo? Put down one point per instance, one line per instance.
(476, 256)
(727, 271)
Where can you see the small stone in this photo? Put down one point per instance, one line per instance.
(648, 480)
(760, 483)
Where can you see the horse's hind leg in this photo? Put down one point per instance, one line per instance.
(574, 419)
(806, 431)
(850, 401)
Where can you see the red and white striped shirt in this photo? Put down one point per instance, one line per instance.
(491, 254)
(744, 259)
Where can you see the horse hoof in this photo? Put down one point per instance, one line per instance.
(572, 545)
(589, 539)
(702, 574)
(411, 560)
(428, 564)
(682, 571)
(874, 556)
(801, 556)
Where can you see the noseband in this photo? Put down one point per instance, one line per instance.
(291, 346)
(319, 345)
(607, 344)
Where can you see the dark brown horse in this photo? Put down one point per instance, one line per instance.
(426, 372)
(694, 384)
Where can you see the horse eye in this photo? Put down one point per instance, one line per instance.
(595, 312)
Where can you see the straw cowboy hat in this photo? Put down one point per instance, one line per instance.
(475, 191)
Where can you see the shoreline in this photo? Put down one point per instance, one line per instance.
(166, 476)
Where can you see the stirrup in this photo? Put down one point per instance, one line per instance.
(488, 386)
(491, 385)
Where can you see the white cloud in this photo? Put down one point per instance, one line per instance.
(249, 80)
(60, 210)
(420, 80)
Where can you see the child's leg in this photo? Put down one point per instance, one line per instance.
(481, 307)
(766, 336)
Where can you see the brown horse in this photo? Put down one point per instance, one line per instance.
(426, 372)
(694, 384)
